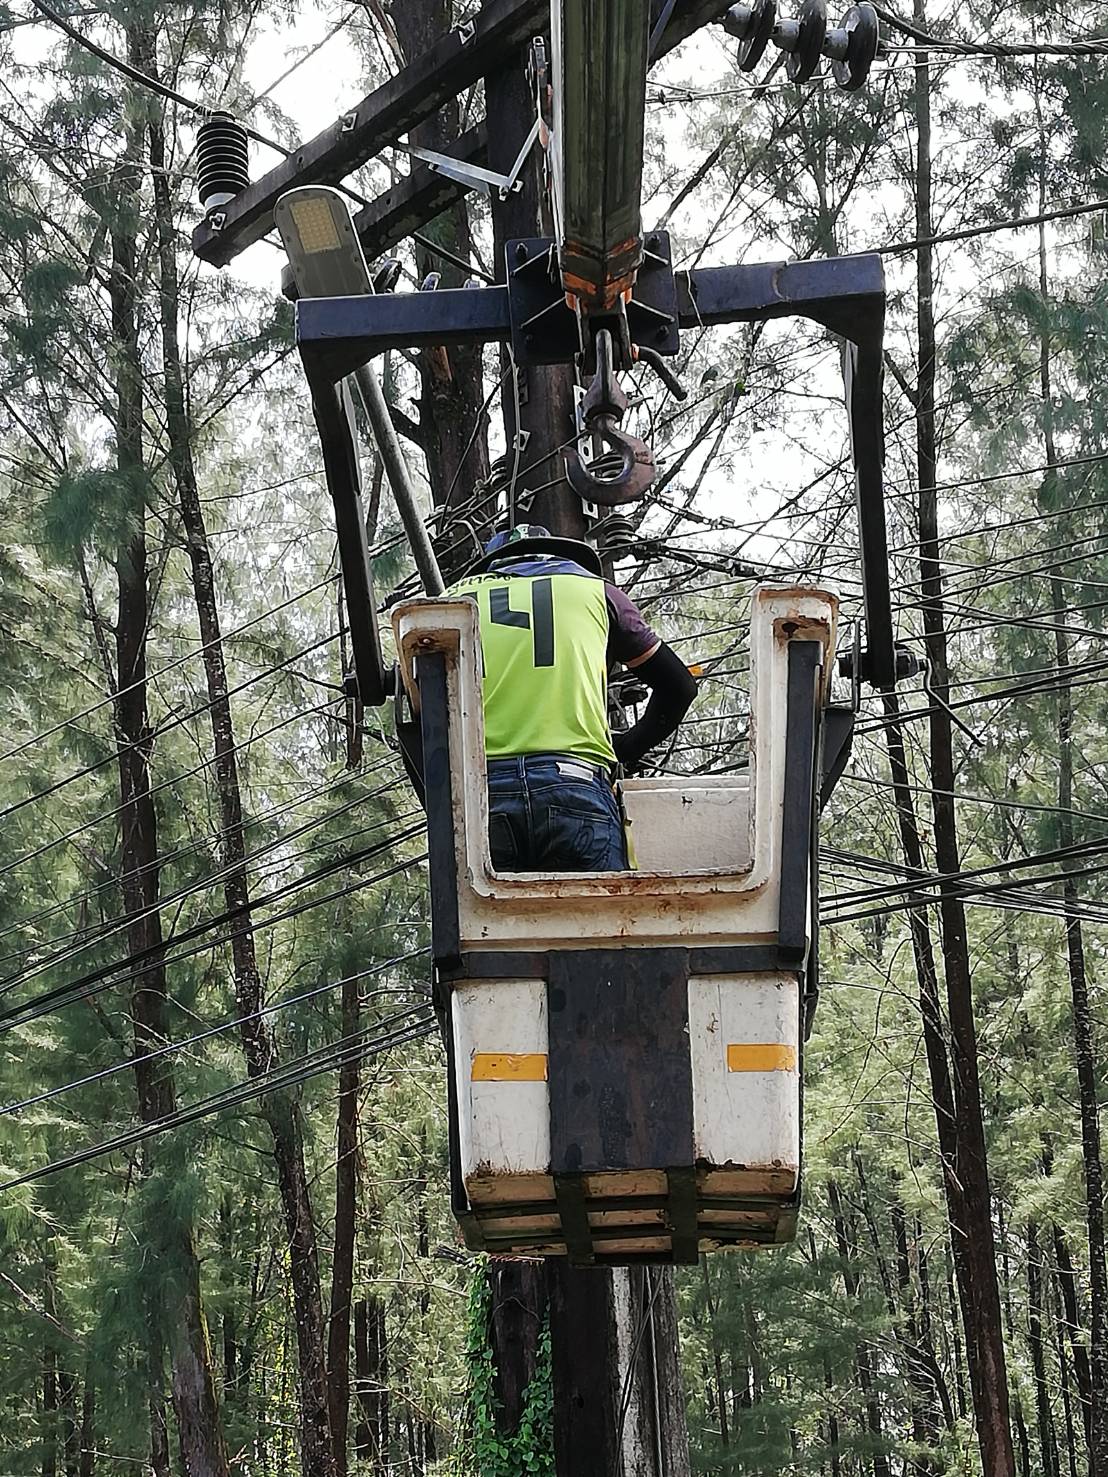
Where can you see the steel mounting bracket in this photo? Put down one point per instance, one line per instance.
(476, 176)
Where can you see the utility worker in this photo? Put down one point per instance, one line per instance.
(551, 627)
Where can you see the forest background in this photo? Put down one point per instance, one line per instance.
(225, 1242)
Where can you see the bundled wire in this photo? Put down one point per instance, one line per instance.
(89, 939)
(171, 1048)
(196, 846)
(420, 1022)
(98, 980)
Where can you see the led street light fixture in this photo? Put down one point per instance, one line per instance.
(322, 245)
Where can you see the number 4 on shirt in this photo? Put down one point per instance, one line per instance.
(542, 611)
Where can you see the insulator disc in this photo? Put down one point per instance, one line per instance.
(222, 160)
(801, 64)
(752, 47)
(615, 533)
(863, 34)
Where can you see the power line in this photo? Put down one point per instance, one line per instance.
(251, 821)
(1042, 688)
(166, 726)
(172, 1047)
(1072, 549)
(175, 779)
(998, 49)
(98, 980)
(1018, 689)
(718, 522)
(354, 1047)
(959, 879)
(966, 798)
(152, 84)
(17, 22)
(178, 661)
(307, 56)
(120, 925)
(998, 894)
(1045, 516)
(967, 233)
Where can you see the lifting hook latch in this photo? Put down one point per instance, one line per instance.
(606, 481)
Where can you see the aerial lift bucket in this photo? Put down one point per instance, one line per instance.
(626, 1049)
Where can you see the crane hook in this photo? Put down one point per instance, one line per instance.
(603, 408)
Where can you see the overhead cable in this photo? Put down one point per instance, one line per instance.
(172, 1047)
(1096, 47)
(90, 939)
(154, 85)
(1015, 223)
(193, 846)
(98, 980)
(166, 726)
(959, 879)
(175, 779)
(353, 1047)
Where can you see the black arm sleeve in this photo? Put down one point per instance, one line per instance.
(672, 689)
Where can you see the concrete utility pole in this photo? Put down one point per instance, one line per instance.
(618, 1404)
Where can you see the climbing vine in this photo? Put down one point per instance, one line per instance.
(483, 1449)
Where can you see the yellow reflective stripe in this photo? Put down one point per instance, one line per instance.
(508, 1066)
(769, 1056)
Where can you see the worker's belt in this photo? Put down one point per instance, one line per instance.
(568, 765)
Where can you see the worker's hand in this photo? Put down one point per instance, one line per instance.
(626, 753)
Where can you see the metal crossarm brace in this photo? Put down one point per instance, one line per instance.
(458, 61)
(416, 200)
(474, 176)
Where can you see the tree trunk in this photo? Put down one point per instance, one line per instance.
(929, 1388)
(1022, 1442)
(155, 1383)
(717, 1354)
(67, 1405)
(828, 1381)
(178, 1299)
(49, 1420)
(982, 1314)
(371, 1368)
(832, 1420)
(280, 1109)
(1067, 1284)
(87, 1466)
(1048, 1444)
(863, 1355)
(229, 1323)
(1067, 1403)
(1023, 1448)
(938, 1062)
(951, 1327)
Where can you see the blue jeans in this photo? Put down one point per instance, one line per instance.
(553, 813)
